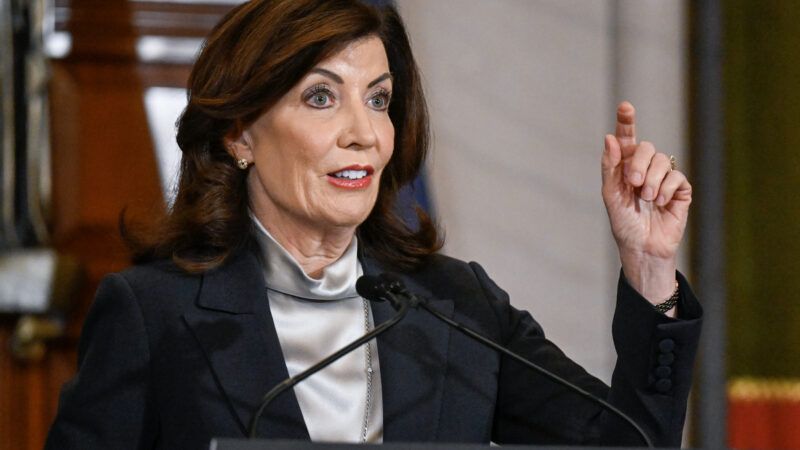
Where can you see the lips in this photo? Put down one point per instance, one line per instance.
(355, 176)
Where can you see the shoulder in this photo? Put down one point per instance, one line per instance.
(476, 298)
(447, 275)
(440, 277)
(155, 287)
(163, 289)
(157, 276)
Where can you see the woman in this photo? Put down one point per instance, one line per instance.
(305, 117)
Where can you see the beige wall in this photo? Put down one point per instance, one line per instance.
(521, 93)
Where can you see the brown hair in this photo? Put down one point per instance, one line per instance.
(256, 54)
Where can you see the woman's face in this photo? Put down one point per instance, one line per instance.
(319, 153)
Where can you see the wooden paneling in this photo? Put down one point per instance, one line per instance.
(103, 161)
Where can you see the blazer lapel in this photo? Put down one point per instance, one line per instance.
(234, 327)
(413, 359)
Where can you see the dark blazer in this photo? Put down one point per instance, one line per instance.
(169, 360)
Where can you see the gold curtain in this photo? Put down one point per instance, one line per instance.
(762, 122)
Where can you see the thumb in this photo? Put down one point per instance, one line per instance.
(610, 164)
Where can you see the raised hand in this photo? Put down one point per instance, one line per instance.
(647, 203)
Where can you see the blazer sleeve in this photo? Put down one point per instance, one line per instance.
(651, 347)
(108, 403)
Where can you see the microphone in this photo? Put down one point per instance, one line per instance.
(385, 287)
(377, 290)
(390, 285)
(370, 288)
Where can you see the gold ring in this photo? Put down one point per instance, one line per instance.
(673, 163)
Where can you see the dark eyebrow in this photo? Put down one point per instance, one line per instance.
(338, 79)
(328, 74)
(379, 79)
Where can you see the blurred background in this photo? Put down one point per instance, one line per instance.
(521, 93)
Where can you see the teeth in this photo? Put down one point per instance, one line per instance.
(351, 174)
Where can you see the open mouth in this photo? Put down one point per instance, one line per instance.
(351, 174)
(352, 177)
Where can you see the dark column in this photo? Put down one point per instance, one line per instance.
(708, 171)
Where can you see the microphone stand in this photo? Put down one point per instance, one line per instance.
(402, 309)
(392, 285)
(486, 341)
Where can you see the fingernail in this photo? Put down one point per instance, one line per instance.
(647, 193)
(661, 200)
(636, 178)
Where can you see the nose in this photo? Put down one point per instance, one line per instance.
(358, 132)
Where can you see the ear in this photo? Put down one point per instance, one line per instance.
(238, 144)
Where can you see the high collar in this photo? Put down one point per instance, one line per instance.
(282, 273)
(237, 333)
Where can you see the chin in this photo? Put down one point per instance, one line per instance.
(348, 220)
(347, 217)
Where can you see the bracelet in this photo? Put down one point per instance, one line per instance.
(670, 302)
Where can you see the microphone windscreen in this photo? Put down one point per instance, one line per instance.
(370, 288)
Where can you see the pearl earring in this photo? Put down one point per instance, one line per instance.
(243, 164)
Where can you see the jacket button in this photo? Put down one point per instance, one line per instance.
(666, 359)
(666, 345)
(663, 385)
(663, 371)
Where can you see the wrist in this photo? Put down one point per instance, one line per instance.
(652, 277)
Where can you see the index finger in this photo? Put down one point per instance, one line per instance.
(626, 127)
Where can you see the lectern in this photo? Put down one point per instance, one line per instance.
(264, 444)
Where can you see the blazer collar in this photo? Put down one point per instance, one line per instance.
(235, 330)
(234, 326)
(235, 286)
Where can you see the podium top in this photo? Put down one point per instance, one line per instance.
(264, 444)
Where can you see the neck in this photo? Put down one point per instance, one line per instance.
(313, 247)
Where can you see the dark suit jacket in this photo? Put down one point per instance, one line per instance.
(169, 360)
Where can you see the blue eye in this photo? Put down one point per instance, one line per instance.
(380, 101)
(320, 99)
(319, 96)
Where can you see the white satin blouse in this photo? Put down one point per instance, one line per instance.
(314, 318)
